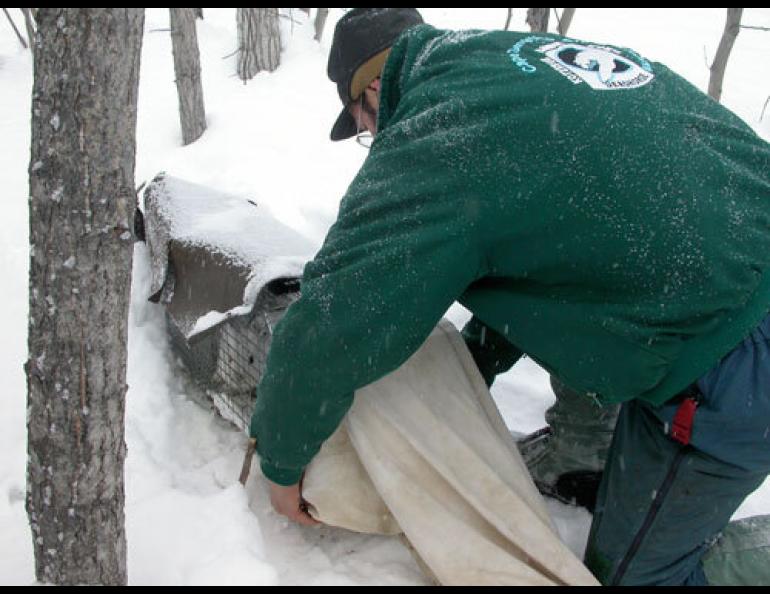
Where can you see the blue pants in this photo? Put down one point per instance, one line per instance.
(661, 504)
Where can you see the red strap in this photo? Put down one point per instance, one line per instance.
(682, 428)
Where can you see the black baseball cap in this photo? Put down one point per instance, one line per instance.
(361, 44)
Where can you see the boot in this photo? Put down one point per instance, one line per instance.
(566, 458)
(741, 554)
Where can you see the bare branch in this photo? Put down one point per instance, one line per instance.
(732, 27)
(19, 35)
(289, 17)
(29, 22)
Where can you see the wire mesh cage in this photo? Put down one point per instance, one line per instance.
(227, 360)
(223, 292)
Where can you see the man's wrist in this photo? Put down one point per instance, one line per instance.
(281, 476)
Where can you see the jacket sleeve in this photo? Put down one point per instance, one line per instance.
(491, 351)
(399, 254)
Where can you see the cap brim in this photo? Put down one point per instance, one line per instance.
(344, 127)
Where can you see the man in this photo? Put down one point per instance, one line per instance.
(592, 210)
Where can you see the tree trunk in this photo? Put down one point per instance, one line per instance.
(259, 41)
(320, 22)
(81, 202)
(537, 19)
(508, 19)
(566, 20)
(187, 68)
(732, 27)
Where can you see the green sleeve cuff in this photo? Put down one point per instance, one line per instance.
(491, 351)
(281, 476)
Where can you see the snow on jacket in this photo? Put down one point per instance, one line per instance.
(598, 211)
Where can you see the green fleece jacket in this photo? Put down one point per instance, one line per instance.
(592, 208)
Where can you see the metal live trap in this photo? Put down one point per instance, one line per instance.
(225, 271)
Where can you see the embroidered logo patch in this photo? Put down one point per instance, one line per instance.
(600, 67)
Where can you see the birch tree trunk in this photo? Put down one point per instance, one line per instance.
(537, 19)
(732, 27)
(81, 201)
(259, 41)
(187, 68)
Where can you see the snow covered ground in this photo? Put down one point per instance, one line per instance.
(188, 520)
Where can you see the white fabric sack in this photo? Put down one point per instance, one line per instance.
(425, 451)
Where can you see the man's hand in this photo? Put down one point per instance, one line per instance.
(288, 502)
